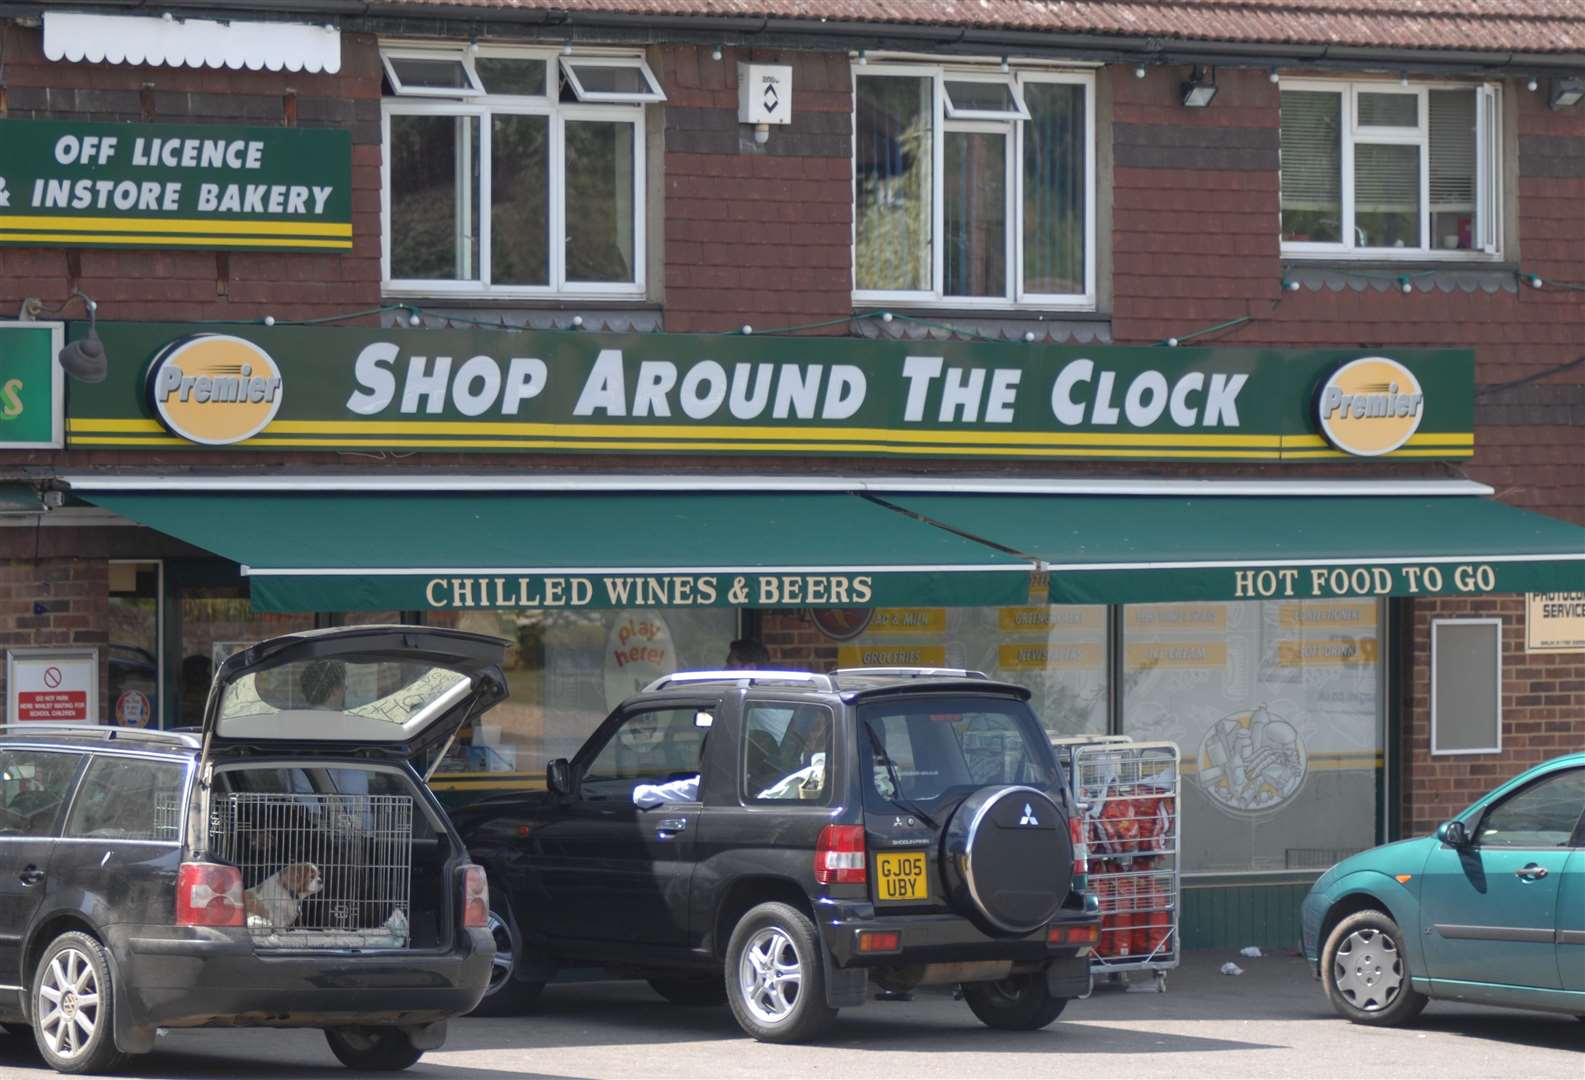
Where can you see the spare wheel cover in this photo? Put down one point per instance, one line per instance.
(1013, 856)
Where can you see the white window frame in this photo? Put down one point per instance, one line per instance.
(484, 107)
(1436, 625)
(1016, 298)
(1488, 213)
(570, 63)
(475, 88)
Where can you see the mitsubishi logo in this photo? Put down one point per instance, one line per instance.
(1029, 816)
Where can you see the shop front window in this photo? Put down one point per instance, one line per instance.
(513, 172)
(1276, 707)
(566, 671)
(134, 628)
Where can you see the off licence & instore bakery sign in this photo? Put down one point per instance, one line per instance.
(174, 185)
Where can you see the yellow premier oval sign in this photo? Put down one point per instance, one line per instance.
(1370, 406)
(214, 389)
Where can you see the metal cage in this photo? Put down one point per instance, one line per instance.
(320, 871)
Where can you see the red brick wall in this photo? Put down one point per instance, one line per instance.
(56, 602)
(1543, 714)
(756, 234)
(182, 285)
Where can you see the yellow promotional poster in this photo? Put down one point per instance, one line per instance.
(849, 656)
(1327, 616)
(1370, 406)
(1038, 620)
(1175, 654)
(1040, 657)
(908, 620)
(1162, 617)
(215, 389)
(1323, 652)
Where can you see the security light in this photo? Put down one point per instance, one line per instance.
(1200, 89)
(1566, 93)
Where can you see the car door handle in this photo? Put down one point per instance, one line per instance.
(30, 875)
(669, 827)
(1532, 872)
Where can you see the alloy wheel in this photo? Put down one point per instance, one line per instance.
(504, 960)
(770, 975)
(70, 991)
(1367, 970)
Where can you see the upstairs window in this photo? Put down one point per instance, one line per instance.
(512, 172)
(973, 187)
(1381, 170)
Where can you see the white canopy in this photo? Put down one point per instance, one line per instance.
(133, 39)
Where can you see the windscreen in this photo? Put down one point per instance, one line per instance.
(942, 748)
(378, 698)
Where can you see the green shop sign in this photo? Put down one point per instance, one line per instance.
(299, 388)
(31, 386)
(64, 183)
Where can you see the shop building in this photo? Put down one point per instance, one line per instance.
(1218, 383)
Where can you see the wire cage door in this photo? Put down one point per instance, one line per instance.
(320, 871)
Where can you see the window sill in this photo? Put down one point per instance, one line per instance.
(1445, 276)
(1046, 327)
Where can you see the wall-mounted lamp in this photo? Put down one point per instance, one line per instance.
(1200, 89)
(1272, 75)
(566, 48)
(1566, 93)
(83, 359)
(1139, 72)
(715, 53)
(1532, 84)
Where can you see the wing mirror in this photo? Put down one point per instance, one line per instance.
(558, 776)
(1454, 834)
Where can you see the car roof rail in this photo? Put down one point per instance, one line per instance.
(744, 678)
(108, 732)
(912, 672)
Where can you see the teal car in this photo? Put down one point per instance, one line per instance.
(1489, 910)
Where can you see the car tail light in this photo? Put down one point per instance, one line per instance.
(208, 894)
(475, 898)
(880, 941)
(1085, 934)
(839, 856)
(1081, 849)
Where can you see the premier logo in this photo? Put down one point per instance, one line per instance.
(1370, 406)
(214, 389)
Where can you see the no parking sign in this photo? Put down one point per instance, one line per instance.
(52, 686)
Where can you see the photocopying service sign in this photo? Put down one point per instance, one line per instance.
(52, 686)
(176, 386)
(32, 391)
(1554, 622)
(65, 183)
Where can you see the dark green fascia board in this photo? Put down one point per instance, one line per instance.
(392, 15)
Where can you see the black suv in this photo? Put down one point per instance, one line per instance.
(787, 840)
(284, 867)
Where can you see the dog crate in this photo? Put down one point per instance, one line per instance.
(318, 870)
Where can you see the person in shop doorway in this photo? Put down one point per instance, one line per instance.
(747, 654)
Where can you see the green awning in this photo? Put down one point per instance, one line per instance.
(1141, 549)
(411, 551)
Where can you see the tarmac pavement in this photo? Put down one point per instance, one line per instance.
(1271, 1022)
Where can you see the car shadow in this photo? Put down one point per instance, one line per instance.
(1553, 1031)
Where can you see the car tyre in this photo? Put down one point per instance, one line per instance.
(377, 1049)
(506, 995)
(1017, 1003)
(775, 975)
(74, 1007)
(689, 991)
(1366, 975)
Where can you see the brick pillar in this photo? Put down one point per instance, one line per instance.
(57, 602)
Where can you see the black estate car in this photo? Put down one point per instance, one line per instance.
(793, 842)
(285, 866)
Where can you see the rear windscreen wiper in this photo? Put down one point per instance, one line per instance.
(885, 759)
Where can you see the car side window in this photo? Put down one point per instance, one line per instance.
(33, 786)
(786, 753)
(129, 799)
(1543, 815)
(650, 747)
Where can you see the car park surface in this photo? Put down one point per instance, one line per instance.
(1271, 1023)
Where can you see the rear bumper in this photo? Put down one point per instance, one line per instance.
(939, 939)
(190, 977)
